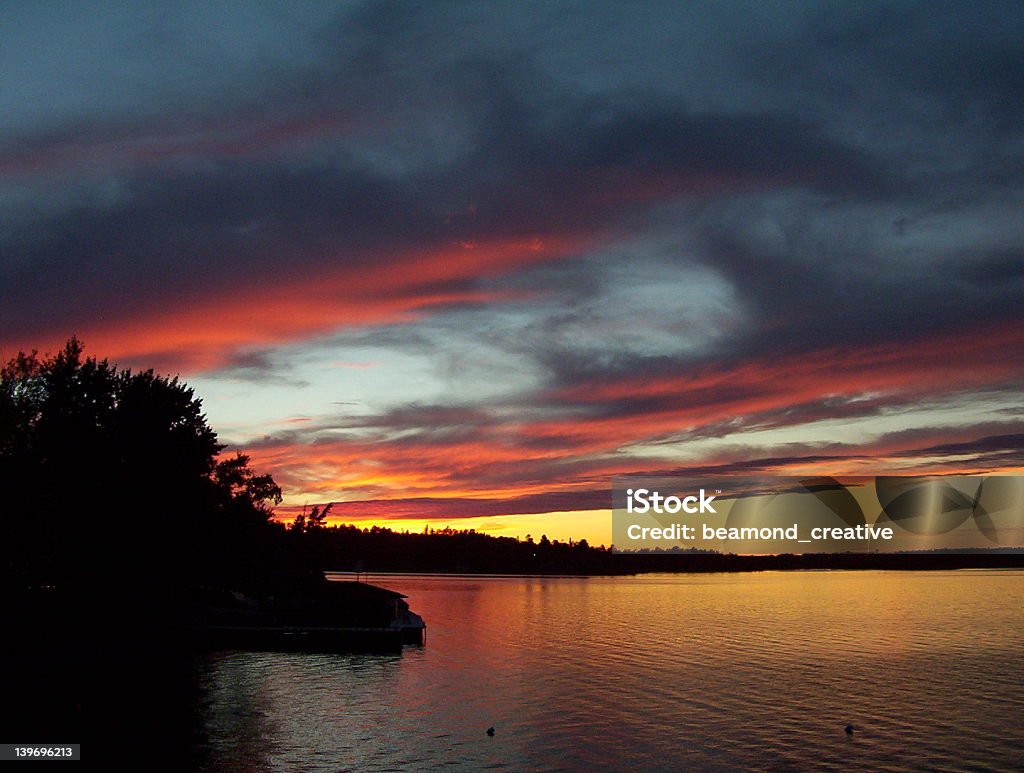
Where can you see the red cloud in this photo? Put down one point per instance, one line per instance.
(507, 461)
(202, 333)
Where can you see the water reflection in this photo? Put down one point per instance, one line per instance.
(658, 672)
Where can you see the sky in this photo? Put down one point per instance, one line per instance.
(458, 264)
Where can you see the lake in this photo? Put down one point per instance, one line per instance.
(654, 672)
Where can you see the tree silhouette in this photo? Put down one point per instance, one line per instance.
(108, 474)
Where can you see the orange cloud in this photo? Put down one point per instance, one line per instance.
(202, 333)
(581, 452)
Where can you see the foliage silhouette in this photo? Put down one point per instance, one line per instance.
(115, 476)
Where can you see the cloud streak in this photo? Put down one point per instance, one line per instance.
(572, 244)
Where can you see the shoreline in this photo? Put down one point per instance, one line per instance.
(855, 562)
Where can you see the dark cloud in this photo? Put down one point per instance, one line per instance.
(994, 444)
(589, 198)
(998, 271)
(456, 508)
(205, 205)
(919, 63)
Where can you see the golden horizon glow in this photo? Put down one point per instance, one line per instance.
(595, 526)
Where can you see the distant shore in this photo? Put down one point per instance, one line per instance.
(617, 564)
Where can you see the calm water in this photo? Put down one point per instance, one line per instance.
(665, 672)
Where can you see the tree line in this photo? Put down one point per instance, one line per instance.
(113, 479)
(378, 548)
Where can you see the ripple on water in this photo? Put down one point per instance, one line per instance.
(716, 672)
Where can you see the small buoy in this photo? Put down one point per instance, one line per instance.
(849, 729)
(490, 731)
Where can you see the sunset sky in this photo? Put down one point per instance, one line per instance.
(460, 263)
